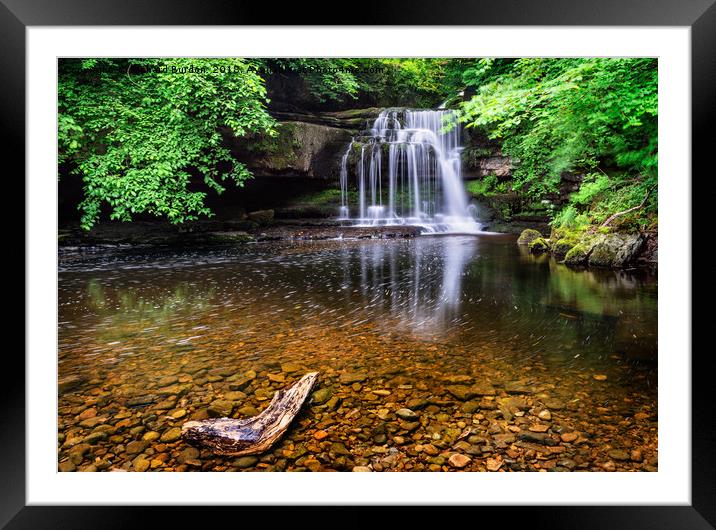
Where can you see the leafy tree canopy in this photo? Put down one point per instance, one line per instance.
(138, 130)
(596, 117)
(144, 134)
(417, 82)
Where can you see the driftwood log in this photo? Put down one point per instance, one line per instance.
(227, 436)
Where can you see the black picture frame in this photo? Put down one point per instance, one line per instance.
(699, 15)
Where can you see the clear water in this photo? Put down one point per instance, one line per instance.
(410, 314)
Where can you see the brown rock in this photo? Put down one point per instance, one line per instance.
(136, 446)
(140, 463)
(353, 377)
(493, 464)
(67, 466)
(618, 454)
(407, 414)
(320, 435)
(466, 393)
(172, 435)
(220, 408)
(430, 449)
(569, 437)
(538, 427)
(459, 461)
(289, 368)
(87, 413)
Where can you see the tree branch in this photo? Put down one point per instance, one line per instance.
(619, 214)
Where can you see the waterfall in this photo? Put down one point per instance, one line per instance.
(423, 185)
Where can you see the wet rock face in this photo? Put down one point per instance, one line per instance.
(500, 166)
(351, 120)
(300, 149)
(483, 157)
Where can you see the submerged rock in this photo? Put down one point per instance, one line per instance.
(459, 461)
(407, 414)
(350, 378)
(321, 396)
(220, 408)
(466, 393)
(172, 435)
(246, 462)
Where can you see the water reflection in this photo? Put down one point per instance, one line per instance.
(419, 285)
(463, 290)
(153, 338)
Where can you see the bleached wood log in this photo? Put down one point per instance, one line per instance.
(227, 436)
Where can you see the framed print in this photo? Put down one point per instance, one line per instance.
(413, 260)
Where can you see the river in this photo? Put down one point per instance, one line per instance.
(511, 359)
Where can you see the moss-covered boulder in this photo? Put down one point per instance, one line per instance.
(577, 255)
(602, 255)
(561, 247)
(615, 250)
(527, 236)
(539, 246)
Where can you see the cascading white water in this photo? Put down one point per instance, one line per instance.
(424, 183)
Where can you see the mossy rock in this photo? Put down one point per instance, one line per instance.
(539, 246)
(528, 236)
(561, 247)
(577, 255)
(262, 217)
(602, 255)
(616, 250)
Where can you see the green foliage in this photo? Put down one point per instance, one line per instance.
(569, 217)
(595, 116)
(148, 139)
(140, 132)
(387, 82)
(330, 79)
(330, 196)
(488, 186)
(414, 82)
